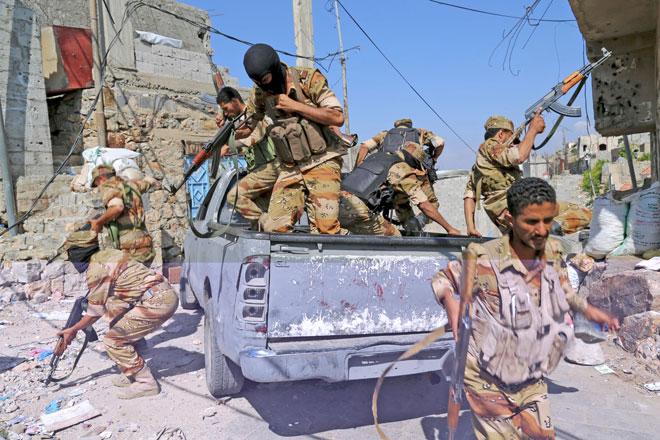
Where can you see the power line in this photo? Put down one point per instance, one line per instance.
(497, 14)
(403, 77)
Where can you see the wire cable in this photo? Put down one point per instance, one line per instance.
(496, 14)
(403, 77)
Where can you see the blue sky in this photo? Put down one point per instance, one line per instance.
(443, 51)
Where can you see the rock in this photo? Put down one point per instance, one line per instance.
(627, 293)
(26, 271)
(209, 412)
(41, 288)
(133, 427)
(106, 434)
(18, 428)
(57, 286)
(12, 293)
(11, 407)
(6, 278)
(636, 328)
(581, 353)
(39, 298)
(53, 270)
(74, 283)
(649, 350)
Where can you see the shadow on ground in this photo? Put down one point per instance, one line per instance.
(308, 407)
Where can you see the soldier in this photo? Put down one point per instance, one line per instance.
(124, 213)
(252, 193)
(136, 300)
(497, 167)
(301, 107)
(520, 326)
(388, 179)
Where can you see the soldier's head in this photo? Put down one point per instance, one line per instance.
(102, 173)
(80, 246)
(498, 127)
(230, 101)
(405, 122)
(263, 66)
(532, 207)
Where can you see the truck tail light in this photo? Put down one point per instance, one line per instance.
(253, 290)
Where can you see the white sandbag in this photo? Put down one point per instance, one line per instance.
(151, 38)
(123, 157)
(127, 169)
(643, 222)
(607, 228)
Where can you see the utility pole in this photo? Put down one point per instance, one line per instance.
(631, 165)
(303, 29)
(563, 140)
(342, 58)
(99, 114)
(7, 181)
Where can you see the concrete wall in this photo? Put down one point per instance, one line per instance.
(23, 92)
(172, 63)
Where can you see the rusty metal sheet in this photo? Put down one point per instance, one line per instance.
(74, 60)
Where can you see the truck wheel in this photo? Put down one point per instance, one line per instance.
(186, 297)
(223, 377)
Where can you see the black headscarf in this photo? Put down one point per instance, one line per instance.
(262, 59)
(80, 256)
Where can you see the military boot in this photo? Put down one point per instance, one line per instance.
(144, 385)
(121, 381)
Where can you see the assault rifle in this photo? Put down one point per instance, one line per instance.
(79, 306)
(220, 139)
(551, 100)
(462, 340)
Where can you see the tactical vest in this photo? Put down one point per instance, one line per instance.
(295, 138)
(524, 341)
(366, 180)
(397, 137)
(261, 153)
(129, 234)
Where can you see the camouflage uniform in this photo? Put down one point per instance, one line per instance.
(252, 193)
(129, 231)
(355, 216)
(499, 410)
(426, 137)
(313, 184)
(117, 284)
(412, 188)
(572, 218)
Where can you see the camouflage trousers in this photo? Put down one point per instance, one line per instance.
(355, 216)
(503, 413)
(251, 196)
(138, 244)
(315, 190)
(147, 315)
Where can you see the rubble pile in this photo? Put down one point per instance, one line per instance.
(38, 282)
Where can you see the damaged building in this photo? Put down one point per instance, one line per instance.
(158, 93)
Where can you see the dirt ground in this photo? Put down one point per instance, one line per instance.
(586, 404)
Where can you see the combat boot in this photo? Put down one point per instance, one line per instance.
(121, 380)
(144, 385)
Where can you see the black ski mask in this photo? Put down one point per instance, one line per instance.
(260, 60)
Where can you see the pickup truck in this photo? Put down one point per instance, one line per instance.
(286, 307)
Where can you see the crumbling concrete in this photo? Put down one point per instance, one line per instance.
(23, 92)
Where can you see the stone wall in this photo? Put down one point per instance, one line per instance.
(23, 92)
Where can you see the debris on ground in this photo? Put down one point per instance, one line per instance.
(604, 369)
(69, 416)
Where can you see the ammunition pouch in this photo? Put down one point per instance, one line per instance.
(296, 139)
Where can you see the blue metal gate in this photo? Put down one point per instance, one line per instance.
(198, 184)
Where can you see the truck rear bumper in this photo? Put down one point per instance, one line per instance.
(290, 361)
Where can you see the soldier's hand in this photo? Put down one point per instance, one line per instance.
(96, 226)
(242, 132)
(537, 125)
(224, 151)
(473, 233)
(602, 317)
(219, 120)
(67, 335)
(286, 104)
(453, 231)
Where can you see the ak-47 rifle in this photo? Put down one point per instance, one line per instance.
(220, 139)
(462, 340)
(551, 100)
(79, 306)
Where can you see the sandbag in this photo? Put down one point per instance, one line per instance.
(643, 222)
(607, 228)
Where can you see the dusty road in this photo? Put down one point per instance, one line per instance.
(586, 404)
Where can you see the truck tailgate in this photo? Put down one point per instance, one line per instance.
(354, 286)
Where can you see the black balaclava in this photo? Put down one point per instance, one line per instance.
(80, 256)
(261, 59)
